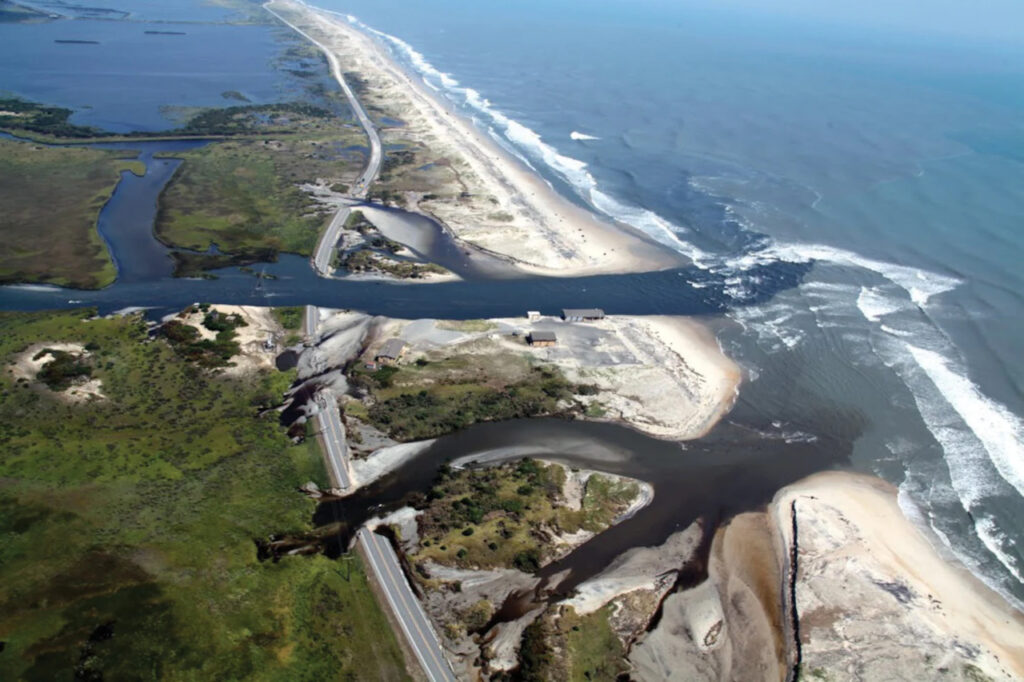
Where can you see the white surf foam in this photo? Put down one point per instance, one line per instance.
(770, 322)
(919, 284)
(573, 171)
(999, 430)
(414, 56)
(991, 538)
(34, 287)
(996, 540)
(997, 434)
(981, 439)
(875, 304)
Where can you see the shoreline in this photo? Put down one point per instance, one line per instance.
(862, 557)
(552, 236)
(829, 581)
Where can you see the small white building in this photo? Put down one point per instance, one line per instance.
(532, 315)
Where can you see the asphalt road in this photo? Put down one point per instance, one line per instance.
(333, 432)
(309, 321)
(322, 256)
(415, 625)
(382, 559)
(325, 247)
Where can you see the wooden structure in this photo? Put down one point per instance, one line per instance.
(391, 352)
(542, 339)
(582, 314)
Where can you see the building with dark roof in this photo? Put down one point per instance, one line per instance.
(391, 352)
(582, 314)
(542, 339)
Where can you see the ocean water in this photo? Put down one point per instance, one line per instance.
(892, 162)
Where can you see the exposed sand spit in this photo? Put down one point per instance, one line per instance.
(666, 376)
(876, 601)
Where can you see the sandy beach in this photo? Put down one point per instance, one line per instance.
(873, 598)
(481, 193)
(663, 375)
(877, 601)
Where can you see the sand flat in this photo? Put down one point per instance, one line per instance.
(876, 599)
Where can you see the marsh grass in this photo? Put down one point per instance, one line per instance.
(128, 525)
(51, 198)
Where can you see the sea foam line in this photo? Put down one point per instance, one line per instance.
(999, 430)
(920, 285)
(573, 171)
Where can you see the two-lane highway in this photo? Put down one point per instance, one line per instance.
(325, 247)
(413, 619)
(309, 323)
(333, 433)
(383, 561)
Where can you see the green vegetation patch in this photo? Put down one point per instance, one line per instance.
(51, 198)
(365, 260)
(189, 343)
(62, 370)
(505, 516)
(274, 119)
(432, 397)
(191, 264)
(466, 325)
(18, 115)
(127, 525)
(245, 196)
(289, 317)
(587, 648)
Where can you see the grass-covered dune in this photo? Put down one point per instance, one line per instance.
(51, 198)
(127, 525)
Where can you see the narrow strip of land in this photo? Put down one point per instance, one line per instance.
(421, 636)
(325, 247)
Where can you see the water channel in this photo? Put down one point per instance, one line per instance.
(737, 467)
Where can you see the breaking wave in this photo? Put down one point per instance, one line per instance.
(999, 431)
(920, 285)
(982, 440)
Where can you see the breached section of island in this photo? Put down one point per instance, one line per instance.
(398, 381)
(441, 165)
(830, 582)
